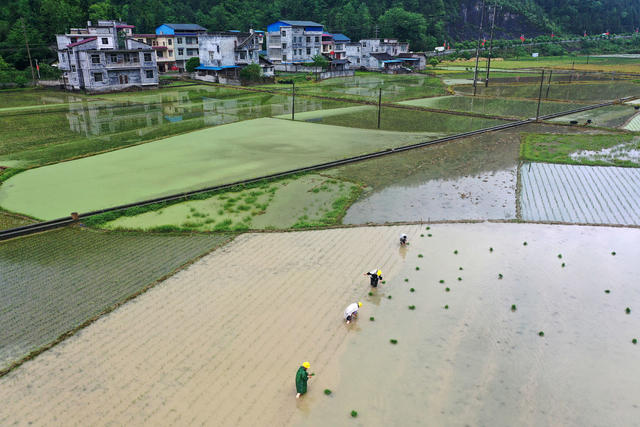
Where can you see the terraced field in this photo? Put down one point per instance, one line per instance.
(54, 282)
(580, 194)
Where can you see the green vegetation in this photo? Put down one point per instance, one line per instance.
(389, 297)
(354, 413)
(459, 279)
(490, 249)
(634, 341)
(370, 294)
(191, 64)
(441, 281)
(597, 150)
(447, 289)
(524, 244)
(563, 264)
(412, 290)
(499, 275)
(513, 307)
(446, 307)
(56, 281)
(460, 268)
(627, 310)
(372, 318)
(327, 391)
(613, 253)
(455, 252)
(251, 73)
(559, 255)
(406, 280)
(417, 268)
(393, 341)
(607, 291)
(541, 333)
(412, 307)
(419, 255)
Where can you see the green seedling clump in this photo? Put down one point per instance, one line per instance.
(563, 264)
(446, 307)
(606, 291)
(417, 268)
(447, 289)
(559, 255)
(422, 235)
(419, 255)
(372, 318)
(613, 253)
(384, 282)
(370, 294)
(541, 333)
(499, 275)
(459, 279)
(412, 307)
(327, 391)
(460, 268)
(389, 297)
(429, 235)
(354, 414)
(627, 310)
(524, 244)
(406, 280)
(513, 307)
(455, 252)
(441, 281)
(428, 228)
(412, 290)
(634, 341)
(490, 249)
(393, 341)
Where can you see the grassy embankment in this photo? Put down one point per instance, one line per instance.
(596, 150)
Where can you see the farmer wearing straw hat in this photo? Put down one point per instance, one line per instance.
(351, 311)
(302, 376)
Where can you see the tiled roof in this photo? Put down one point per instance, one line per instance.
(186, 27)
(301, 23)
(341, 37)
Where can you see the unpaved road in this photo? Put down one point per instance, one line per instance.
(217, 344)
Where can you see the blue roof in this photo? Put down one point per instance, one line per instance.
(308, 25)
(207, 68)
(401, 60)
(301, 23)
(339, 37)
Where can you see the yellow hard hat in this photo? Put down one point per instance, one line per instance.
(306, 365)
(359, 304)
(379, 273)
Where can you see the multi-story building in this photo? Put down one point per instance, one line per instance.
(340, 46)
(391, 46)
(185, 41)
(353, 52)
(164, 47)
(293, 41)
(104, 57)
(222, 54)
(327, 44)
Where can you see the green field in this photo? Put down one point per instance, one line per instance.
(33, 137)
(584, 63)
(198, 159)
(596, 150)
(54, 282)
(614, 116)
(577, 92)
(498, 107)
(308, 200)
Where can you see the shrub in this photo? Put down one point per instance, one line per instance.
(191, 64)
(251, 73)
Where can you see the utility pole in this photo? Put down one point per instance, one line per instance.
(540, 95)
(549, 84)
(493, 24)
(26, 42)
(379, 105)
(293, 100)
(475, 74)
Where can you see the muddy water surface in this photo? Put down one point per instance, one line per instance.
(480, 363)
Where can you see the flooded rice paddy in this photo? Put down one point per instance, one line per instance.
(177, 354)
(614, 116)
(580, 194)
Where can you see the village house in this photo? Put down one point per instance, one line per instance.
(293, 41)
(104, 57)
(327, 44)
(391, 46)
(353, 52)
(340, 46)
(224, 53)
(185, 41)
(164, 47)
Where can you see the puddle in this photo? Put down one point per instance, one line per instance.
(626, 151)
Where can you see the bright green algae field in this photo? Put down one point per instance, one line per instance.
(198, 159)
(53, 282)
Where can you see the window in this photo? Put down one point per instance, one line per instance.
(135, 58)
(105, 40)
(160, 54)
(147, 57)
(113, 58)
(180, 51)
(284, 33)
(73, 68)
(308, 51)
(74, 39)
(218, 48)
(95, 59)
(317, 39)
(191, 40)
(155, 43)
(97, 77)
(170, 52)
(358, 60)
(284, 45)
(170, 42)
(284, 58)
(149, 74)
(141, 40)
(358, 49)
(179, 40)
(308, 39)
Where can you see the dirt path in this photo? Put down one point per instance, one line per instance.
(218, 343)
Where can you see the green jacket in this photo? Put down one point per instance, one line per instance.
(301, 380)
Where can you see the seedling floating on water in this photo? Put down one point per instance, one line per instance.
(606, 291)
(419, 255)
(613, 253)
(412, 307)
(417, 268)
(541, 333)
(441, 281)
(354, 414)
(412, 290)
(392, 341)
(513, 307)
(627, 310)
(447, 289)
(327, 391)
(499, 275)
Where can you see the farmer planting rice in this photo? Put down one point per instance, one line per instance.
(375, 275)
(403, 239)
(351, 311)
(302, 377)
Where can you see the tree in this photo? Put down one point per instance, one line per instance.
(191, 64)
(320, 61)
(406, 26)
(101, 10)
(251, 73)
(434, 62)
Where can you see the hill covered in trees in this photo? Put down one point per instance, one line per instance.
(424, 23)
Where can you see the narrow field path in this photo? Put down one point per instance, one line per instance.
(217, 344)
